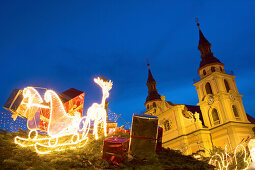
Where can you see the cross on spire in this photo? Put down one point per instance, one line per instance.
(148, 63)
(196, 20)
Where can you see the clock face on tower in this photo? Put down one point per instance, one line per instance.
(210, 100)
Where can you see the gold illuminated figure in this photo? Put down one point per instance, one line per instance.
(97, 112)
(64, 131)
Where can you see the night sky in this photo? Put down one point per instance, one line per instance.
(65, 44)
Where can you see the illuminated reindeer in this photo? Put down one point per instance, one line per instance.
(97, 112)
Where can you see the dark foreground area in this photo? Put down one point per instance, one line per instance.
(89, 157)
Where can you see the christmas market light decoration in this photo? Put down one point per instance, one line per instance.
(7, 122)
(97, 112)
(251, 146)
(64, 131)
(245, 156)
(33, 101)
(223, 160)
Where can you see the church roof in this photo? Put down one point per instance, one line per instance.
(153, 95)
(152, 90)
(208, 60)
(150, 77)
(170, 103)
(205, 47)
(194, 109)
(202, 39)
(250, 118)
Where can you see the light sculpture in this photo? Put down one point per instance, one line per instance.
(64, 131)
(223, 160)
(245, 155)
(251, 146)
(97, 112)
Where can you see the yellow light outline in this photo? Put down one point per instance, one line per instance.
(224, 163)
(73, 128)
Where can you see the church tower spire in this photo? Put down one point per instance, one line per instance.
(152, 89)
(204, 47)
(208, 64)
(219, 99)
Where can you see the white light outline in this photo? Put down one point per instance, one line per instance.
(224, 163)
(73, 128)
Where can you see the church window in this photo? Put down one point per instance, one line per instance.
(148, 107)
(221, 69)
(154, 104)
(215, 116)
(235, 112)
(208, 88)
(213, 69)
(226, 85)
(167, 125)
(204, 72)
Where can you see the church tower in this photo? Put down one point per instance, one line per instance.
(219, 99)
(153, 98)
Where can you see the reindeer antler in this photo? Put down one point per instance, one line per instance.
(108, 85)
(103, 83)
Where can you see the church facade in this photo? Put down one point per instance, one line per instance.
(219, 119)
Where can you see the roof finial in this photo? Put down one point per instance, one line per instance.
(198, 25)
(148, 63)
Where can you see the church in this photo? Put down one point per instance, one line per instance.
(219, 119)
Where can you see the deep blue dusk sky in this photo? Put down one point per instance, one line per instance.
(64, 44)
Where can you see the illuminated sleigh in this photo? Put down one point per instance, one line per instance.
(64, 131)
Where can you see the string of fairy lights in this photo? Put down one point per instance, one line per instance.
(111, 115)
(7, 122)
(114, 117)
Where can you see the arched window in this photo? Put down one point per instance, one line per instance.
(213, 69)
(208, 88)
(226, 85)
(215, 116)
(221, 69)
(148, 107)
(167, 125)
(204, 72)
(235, 111)
(154, 104)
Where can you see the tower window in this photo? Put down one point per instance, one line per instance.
(148, 107)
(204, 72)
(221, 69)
(215, 116)
(208, 88)
(213, 69)
(167, 125)
(154, 104)
(226, 85)
(235, 112)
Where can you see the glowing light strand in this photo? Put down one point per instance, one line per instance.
(244, 158)
(223, 162)
(61, 124)
(97, 112)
